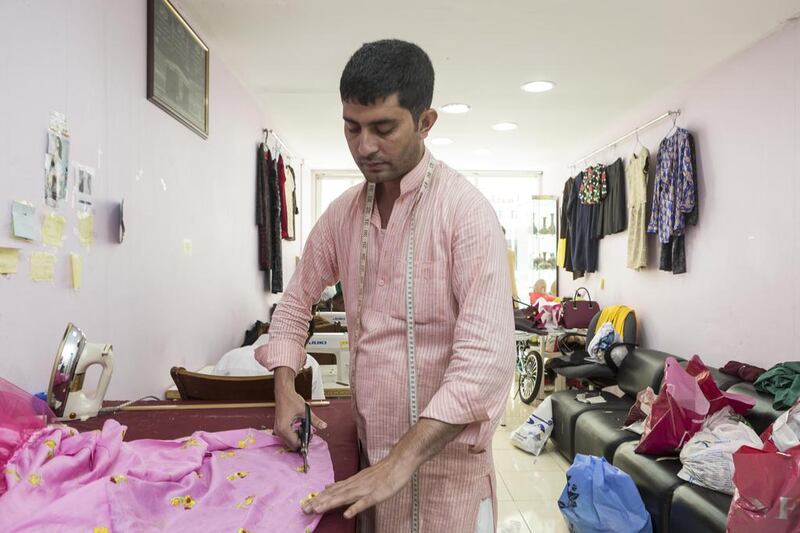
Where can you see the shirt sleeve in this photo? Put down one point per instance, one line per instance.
(289, 326)
(478, 378)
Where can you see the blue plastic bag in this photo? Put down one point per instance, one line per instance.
(601, 498)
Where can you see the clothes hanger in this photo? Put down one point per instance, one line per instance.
(674, 124)
(638, 146)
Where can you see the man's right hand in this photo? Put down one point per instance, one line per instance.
(290, 406)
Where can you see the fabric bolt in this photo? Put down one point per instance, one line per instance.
(584, 244)
(636, 183)
(464, 334)
(62, 480)
(291, 203)
(274, 189)
(783, 382)
(613, 216)
(282, 190)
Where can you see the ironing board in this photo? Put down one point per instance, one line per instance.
(172, 424)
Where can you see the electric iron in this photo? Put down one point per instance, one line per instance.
(65, 395)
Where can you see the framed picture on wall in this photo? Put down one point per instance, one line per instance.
(177, 66)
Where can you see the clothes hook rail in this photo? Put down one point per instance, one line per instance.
(268, 133)
(672, 113)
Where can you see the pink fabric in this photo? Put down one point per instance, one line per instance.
(717, 398)
(61, 480)
(464, 327)
(20, 416)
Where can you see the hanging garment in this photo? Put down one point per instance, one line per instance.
(263, 217)
(674, 198)
(594, 187)
(584, 243)
(291, 203)
(613, 209)
(282, 190)
(636, 180)
(616, 315)
(275, 226)
(564, 259)
(464, 334)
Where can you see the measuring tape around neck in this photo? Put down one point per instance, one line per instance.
(369, 203)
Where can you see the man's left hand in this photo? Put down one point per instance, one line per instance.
(362, 491)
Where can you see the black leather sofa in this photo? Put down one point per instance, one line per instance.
(674, 505)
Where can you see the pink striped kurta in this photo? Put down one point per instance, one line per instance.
(464, 334)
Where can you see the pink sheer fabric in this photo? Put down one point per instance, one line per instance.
(20, 416)
(60, 480)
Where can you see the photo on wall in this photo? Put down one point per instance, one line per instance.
(56, 169)
(84, 179)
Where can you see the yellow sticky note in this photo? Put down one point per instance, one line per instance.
(77, 270)
(86, 229)
(53, 229)
(9, 260)
(43, 266)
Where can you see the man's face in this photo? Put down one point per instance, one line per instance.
(383, 138)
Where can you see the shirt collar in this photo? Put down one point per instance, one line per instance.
(413, 180)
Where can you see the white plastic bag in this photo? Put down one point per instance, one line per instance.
(786, 429)
(533, 434)
(708, 456)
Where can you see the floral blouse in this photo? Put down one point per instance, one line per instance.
(595, 186)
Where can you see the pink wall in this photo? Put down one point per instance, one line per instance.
(157, 306)
(740, 298)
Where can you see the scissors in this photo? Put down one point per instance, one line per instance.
(304, 433)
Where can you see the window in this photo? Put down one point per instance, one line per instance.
(510, 193)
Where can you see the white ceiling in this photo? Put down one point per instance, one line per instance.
(607, 56)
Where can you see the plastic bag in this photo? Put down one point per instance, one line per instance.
(677, 414)
(767, 496)
(716, 398)
(784, 433)
(533, 434)
(640, 411)
(601, 498)
(708, 456)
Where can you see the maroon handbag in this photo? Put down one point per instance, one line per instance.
(578, 314)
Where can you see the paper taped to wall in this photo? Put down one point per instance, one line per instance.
(9, 260)
(53, 229)
(77, 270)
(43, 266)
(23, 218)
(86, 228)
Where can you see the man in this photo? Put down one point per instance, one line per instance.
(463, 343)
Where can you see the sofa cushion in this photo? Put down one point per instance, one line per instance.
(655, 477)
(600, 433)
(698, 509)
(641, 369)
(566, 410)
(762, 415)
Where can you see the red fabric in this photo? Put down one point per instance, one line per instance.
(340, 435)
(282, 184)
(717, 398)
(765, 502)
(743, 371)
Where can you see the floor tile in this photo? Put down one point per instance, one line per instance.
(502, 491)
(515, 460)
(542, 516)
(534, 485)
(501, 440)
(509, 519)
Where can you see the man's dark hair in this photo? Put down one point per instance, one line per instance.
(382, 68)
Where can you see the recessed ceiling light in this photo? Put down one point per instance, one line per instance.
(505, 126)
(541, 86)
(483, 151)
(442, 141)
(456, 108)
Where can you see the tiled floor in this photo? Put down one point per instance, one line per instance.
(528, 487)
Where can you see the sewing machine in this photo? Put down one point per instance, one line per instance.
(332, 352)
